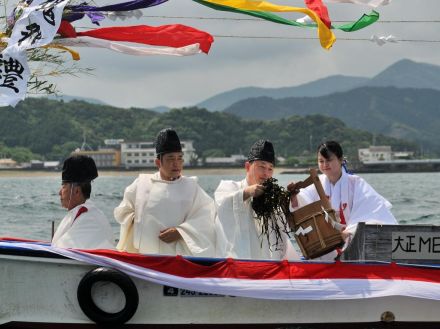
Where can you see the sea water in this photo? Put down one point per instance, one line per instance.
(30, 204)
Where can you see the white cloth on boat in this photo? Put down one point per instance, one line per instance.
(88, 230)
(358, 201)
(151, 204)
(239, 233)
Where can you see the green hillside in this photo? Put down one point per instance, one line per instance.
(411, 114)
(52, 129)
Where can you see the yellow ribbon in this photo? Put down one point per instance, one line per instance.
(73, 53)
(326, 36)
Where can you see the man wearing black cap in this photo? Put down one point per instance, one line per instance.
(84, 226)
(239, 233)
(165, 212)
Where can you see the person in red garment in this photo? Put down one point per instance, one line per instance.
(84, 226)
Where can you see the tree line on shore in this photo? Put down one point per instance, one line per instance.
(38, 128)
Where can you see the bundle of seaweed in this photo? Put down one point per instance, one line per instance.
(272, 211)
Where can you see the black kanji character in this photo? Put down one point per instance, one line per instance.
(34, 33)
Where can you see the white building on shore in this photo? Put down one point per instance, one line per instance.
(141, 154)
(8, 163)
(383, 153)
(375, 153)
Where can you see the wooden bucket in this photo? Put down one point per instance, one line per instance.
(314, 224)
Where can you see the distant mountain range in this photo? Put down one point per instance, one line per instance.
(320, 87)
(407, 113)
(403, 101)
(402, 74)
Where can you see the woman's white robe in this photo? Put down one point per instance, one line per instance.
(352, 195)
(151, 204)
(355, 198)
(90, 230)
(239, 232)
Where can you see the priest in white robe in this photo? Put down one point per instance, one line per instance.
(167, 213)
(239, 233)
(84, 226)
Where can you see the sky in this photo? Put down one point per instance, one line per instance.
(146, 82)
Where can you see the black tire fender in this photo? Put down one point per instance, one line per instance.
(93, 312)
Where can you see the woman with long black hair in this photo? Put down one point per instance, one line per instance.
(353, 199)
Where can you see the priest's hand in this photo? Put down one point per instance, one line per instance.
(169, 235)
(253, 191)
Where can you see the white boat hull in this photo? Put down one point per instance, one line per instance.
(40, 290)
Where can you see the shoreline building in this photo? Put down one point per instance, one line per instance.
(8, 163)
(108, 156)
(384, 153)
(141, 154)
(375, 153)
(104, 158)
(383, 159)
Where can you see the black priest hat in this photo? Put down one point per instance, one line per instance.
(167, 141)
(79, 169)
(262, 150)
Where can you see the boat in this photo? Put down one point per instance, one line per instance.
(48, 287)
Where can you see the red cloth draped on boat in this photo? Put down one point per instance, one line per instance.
(263, 279)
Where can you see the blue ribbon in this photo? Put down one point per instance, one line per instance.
(74, 13)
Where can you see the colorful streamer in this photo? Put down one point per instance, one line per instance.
(318, 7)
(128, 50)
(77, 12)
(261, 9)
(166, 35)
(364, 21)
(73, 53)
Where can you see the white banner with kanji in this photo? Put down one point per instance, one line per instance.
(35, 27)
(14, 75)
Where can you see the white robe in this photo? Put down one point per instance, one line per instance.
(151, 204)
(239, 232)
(358, 201)
(90, 230)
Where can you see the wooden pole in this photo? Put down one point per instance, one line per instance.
(319, 188)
